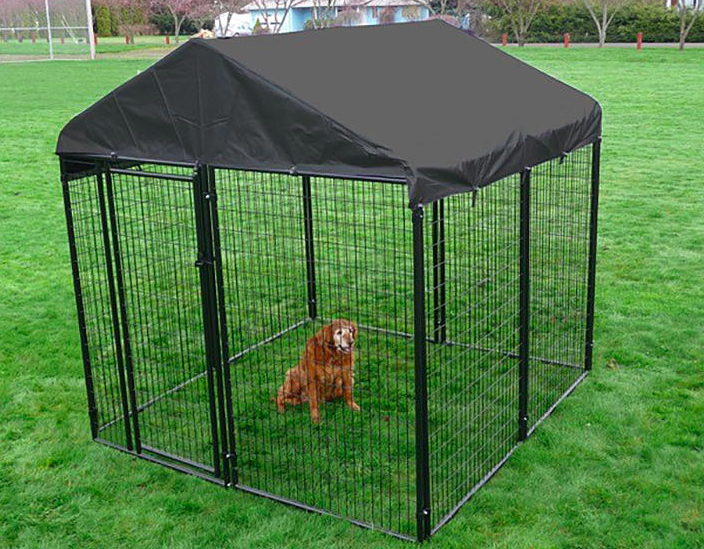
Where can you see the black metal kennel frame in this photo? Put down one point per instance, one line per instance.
(198, 284)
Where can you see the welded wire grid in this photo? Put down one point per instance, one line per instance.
(294, 253)
(472, 271)
(157, 243)
(102, 352)
(559, 247)
(359, 465)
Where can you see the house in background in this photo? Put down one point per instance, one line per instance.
(353, 13)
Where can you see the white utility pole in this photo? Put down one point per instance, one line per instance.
(48, 30)
(91, 36)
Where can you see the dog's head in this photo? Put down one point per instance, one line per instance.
(339, 335)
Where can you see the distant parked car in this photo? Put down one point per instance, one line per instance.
(232, 24)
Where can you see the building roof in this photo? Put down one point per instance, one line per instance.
(423, 103)
(273, 4)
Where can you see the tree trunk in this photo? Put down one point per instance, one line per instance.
(177, 27)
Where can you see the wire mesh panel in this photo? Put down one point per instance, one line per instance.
(472, 314)
(559, 250)
(156, 230)
(107, 377)
(298, 254)
(289, 327)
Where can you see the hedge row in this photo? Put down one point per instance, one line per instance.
(107, 22)
(657, 23)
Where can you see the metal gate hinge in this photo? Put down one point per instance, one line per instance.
(210, 195)
(203, 261)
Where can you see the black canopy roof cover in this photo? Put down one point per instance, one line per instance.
(422, 102)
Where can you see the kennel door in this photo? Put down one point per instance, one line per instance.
(157, 231)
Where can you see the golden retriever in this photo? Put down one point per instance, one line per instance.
(325, 371)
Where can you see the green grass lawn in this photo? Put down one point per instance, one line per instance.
(620, 464)
(13, 49)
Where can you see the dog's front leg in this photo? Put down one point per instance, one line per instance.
(348, 391)
(313, 400)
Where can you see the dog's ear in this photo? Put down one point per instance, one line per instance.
(323, 336)
(354, 327)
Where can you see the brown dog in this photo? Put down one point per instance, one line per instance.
(325, 371)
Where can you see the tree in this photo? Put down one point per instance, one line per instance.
(273, 20)
(131, 14)
(688, 12)
(323, 13)
(179, 10)
(439, 7)
(449, 19)
(602, 12)
(520, 14)
(387, 15)
(347, 16)
(225, 8)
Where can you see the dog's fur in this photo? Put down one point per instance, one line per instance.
(325, 371)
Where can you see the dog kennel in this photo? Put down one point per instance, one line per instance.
(225, 204)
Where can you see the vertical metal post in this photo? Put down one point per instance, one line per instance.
(123, 308)
(85, 352)
(201, 199)
(591, 275)
(48, 30)
(421, 382)
(524, 306)
(438, 247)
(228, 424)
(310, 248)
(113, 310)
(89, 24)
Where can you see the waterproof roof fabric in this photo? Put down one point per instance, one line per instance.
(423, 102)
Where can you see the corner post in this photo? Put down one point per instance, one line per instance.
(591, 275)
(85, 352)
(524, 305)
(421, 382)
(309, 244)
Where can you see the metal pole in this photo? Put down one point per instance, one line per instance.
(421, 382)
(224, 383)
(524, 306)
(91, 37)
(48, 30)
(123, 309)
(310, 248)
(205, 261)
(591, 276)
(113, 309)
(85, 352)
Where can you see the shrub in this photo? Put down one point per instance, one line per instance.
(657, 23)
(102, 20)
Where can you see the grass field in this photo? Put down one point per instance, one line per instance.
(620, 464)
(13, 49)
